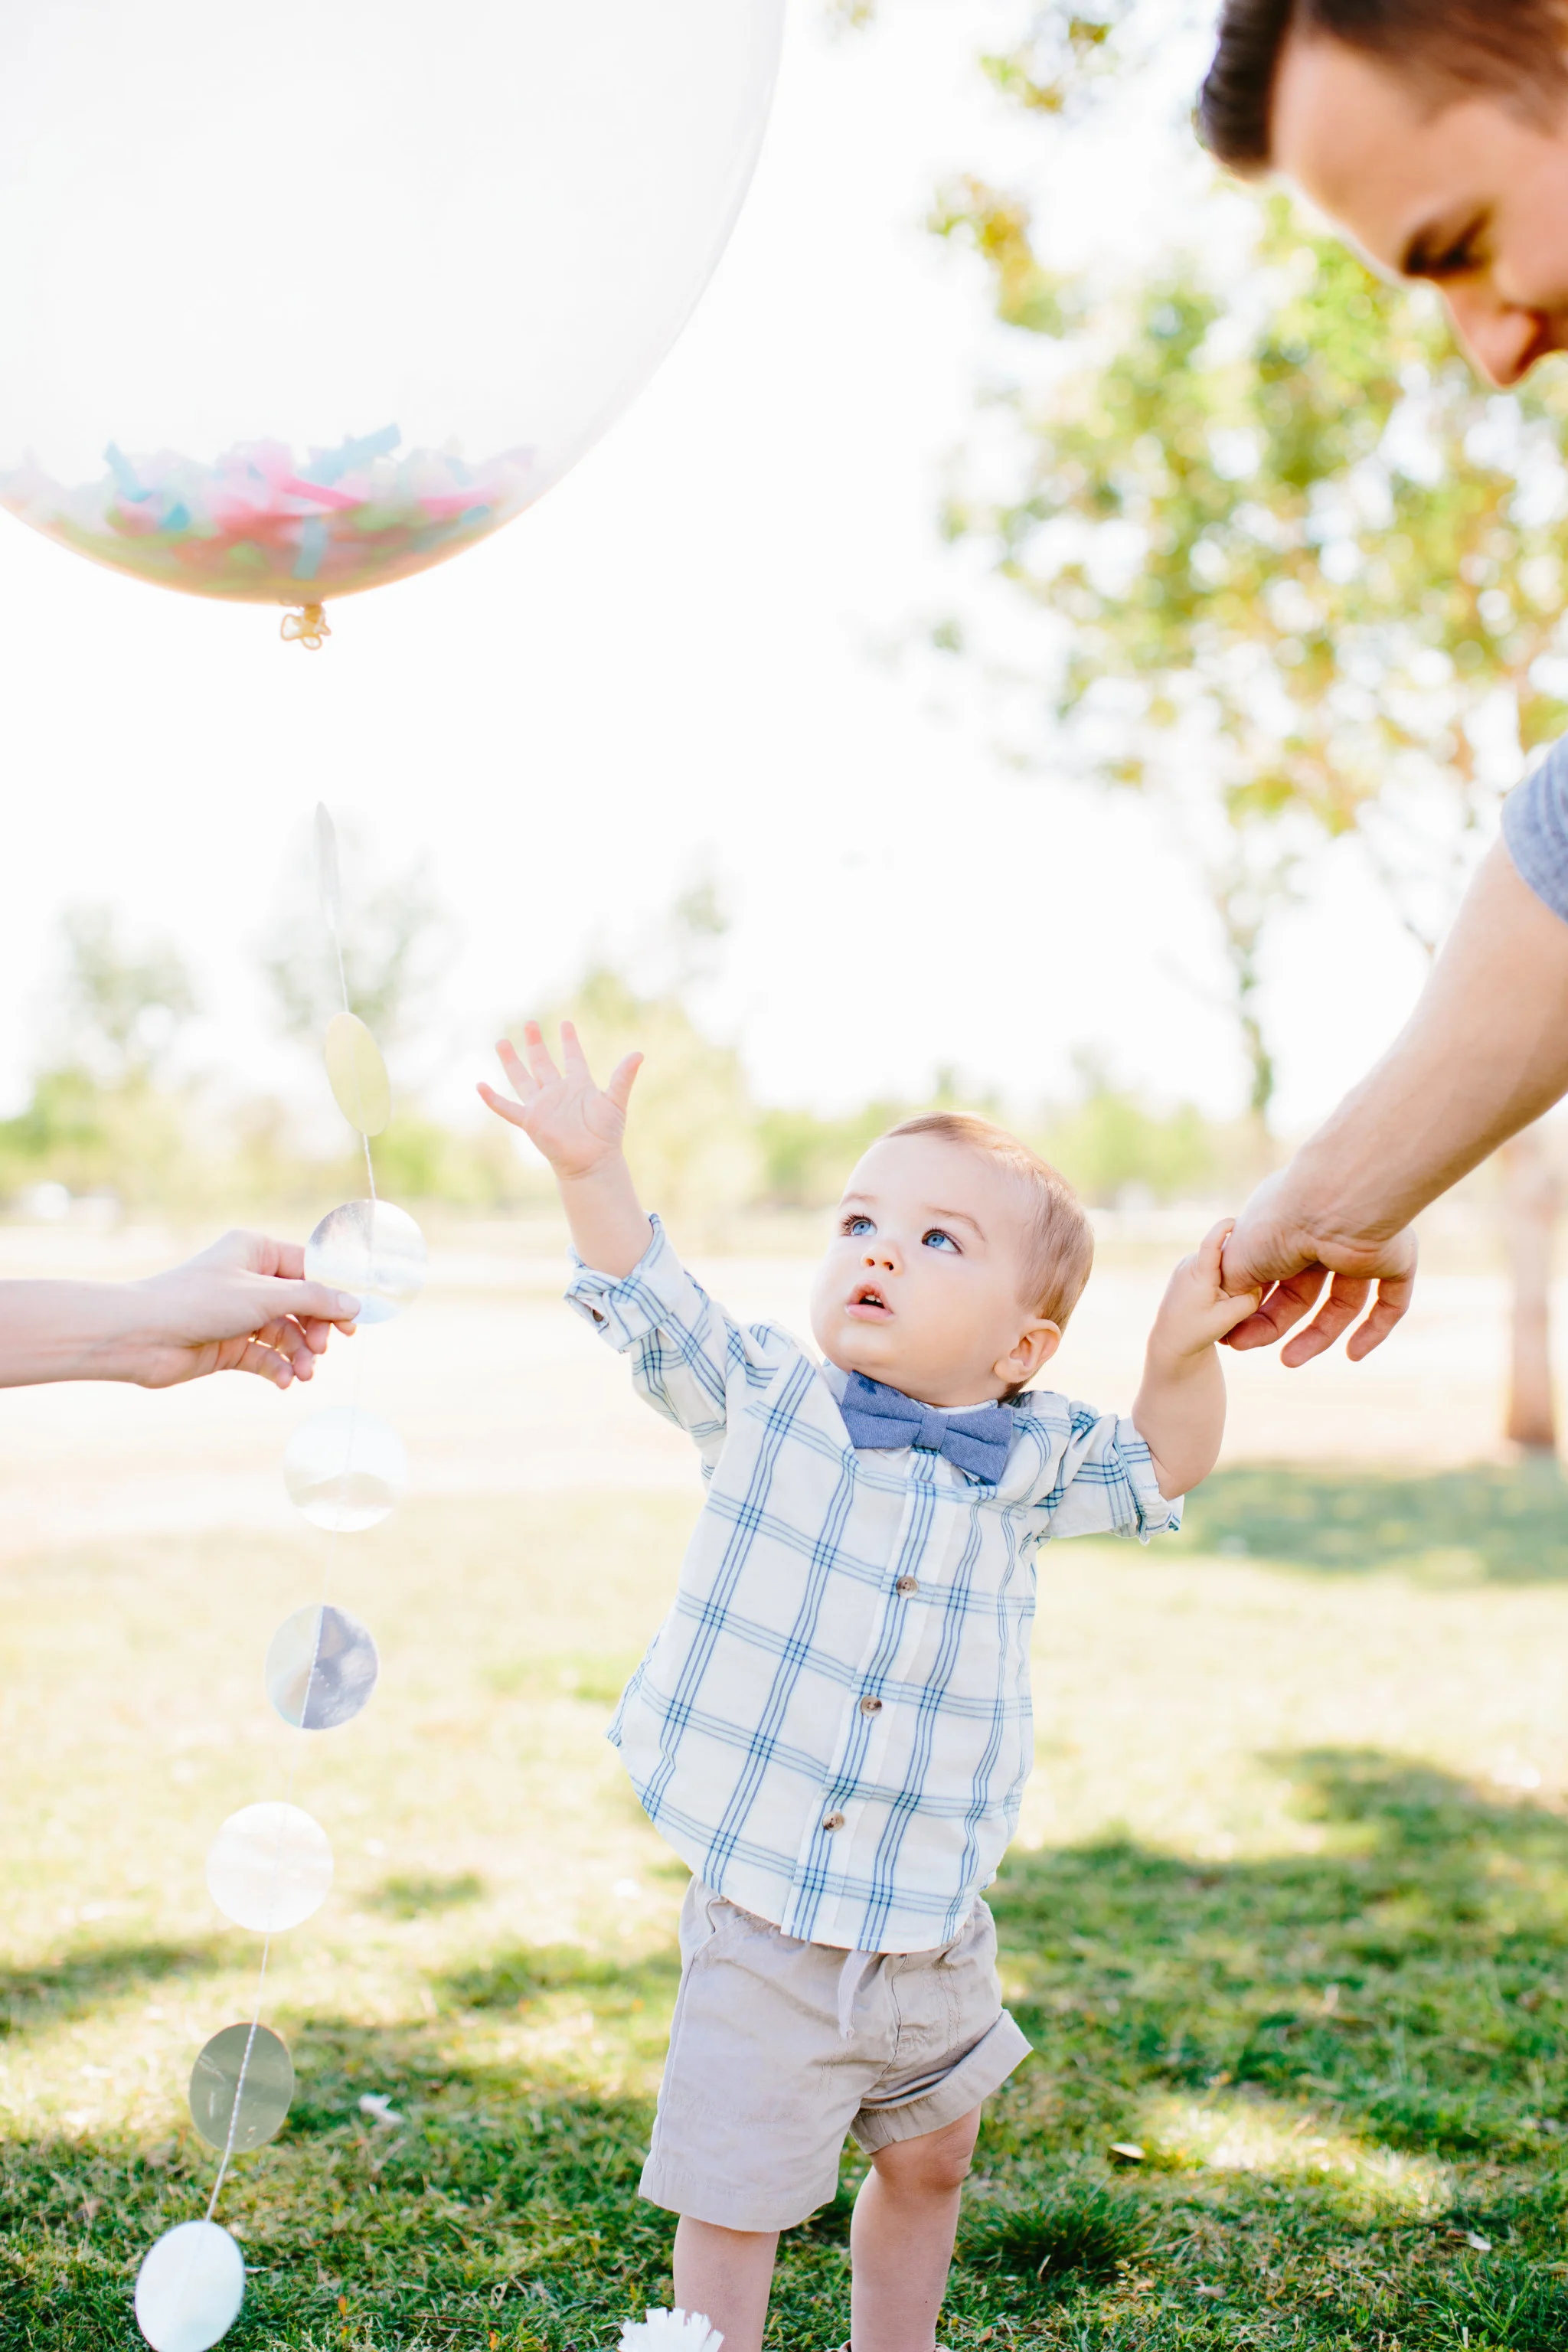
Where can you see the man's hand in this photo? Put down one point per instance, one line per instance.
(1271, 1251)
(241, 1306)
(578, 1126)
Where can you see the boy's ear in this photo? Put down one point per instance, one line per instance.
(1036, 1344)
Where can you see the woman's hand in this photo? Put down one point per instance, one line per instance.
(241, 1306)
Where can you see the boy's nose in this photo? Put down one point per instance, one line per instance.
(884, 1255)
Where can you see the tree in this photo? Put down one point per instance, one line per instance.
(97, 1119)
(1299, 574)
(120, 1007)
(396, 943)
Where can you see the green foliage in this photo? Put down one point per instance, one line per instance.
(121, 1008)
(1110, 1144)
(806, 1158)
(1306, 568)
(1504, 1524)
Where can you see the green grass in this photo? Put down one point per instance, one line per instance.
(1287, 1915)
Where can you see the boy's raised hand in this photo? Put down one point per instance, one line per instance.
(577, 1126)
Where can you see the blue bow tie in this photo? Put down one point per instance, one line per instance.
(974, 1442)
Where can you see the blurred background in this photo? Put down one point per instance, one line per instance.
(1052, 640)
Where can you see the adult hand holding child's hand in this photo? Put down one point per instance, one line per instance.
(1197, 1310)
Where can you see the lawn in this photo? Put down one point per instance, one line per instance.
(1289, 1915)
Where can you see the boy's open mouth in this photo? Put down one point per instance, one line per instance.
(867, 1304)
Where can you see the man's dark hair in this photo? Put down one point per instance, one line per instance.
(1447, 49)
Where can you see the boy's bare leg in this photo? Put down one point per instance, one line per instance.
(727, 2274)
(900, 2242)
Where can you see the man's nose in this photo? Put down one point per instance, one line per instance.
(1502, 337)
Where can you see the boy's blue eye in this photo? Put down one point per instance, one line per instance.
(854, 1225)
(936, 1239)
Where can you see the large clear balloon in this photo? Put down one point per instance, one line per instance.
(305, 299)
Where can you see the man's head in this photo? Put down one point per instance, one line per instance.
(958, 1257)
(1434, 132)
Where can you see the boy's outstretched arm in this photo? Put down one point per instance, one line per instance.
(578, 1127)
(1179, 1412)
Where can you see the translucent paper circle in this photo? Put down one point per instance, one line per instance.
(373, 1250)
(303, 303)
(270, 1867)
(356, 1073)
(320, 1668)
(190, 2287)
(248, 2066)
(345, 1469)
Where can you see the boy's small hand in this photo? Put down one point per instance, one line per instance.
(576, 1125)
(1197, 1310)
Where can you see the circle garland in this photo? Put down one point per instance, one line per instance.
(270, 1868)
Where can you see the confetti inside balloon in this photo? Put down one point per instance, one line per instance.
(345, 1469)
(270, 1867)
(357, 1074)
(320, 1668)
(190, 2287)
(249, 2068)
(373, 1250)
(302, 301)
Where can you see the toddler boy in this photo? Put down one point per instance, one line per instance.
(832, 1726)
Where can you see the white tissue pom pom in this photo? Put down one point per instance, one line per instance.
(671, 2331)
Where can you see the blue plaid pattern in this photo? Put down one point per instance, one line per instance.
(832, 1726)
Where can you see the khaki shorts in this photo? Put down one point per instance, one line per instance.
(778, 2048)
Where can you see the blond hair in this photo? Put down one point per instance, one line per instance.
(1058, 1241)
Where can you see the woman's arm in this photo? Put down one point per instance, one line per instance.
(241, 1306)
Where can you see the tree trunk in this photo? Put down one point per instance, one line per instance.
(1531, 1196)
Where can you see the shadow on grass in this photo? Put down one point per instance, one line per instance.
(33, 1999)
(1402, 1991)
(1507, 1525)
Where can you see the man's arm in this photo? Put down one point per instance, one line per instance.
(241, 1306)
(1484, 1053)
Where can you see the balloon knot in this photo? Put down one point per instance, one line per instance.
(308, 628)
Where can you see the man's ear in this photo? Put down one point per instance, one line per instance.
(1036, 1345)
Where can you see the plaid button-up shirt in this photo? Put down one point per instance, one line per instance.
(832, 1726)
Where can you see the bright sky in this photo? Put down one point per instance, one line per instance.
(678, 664)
